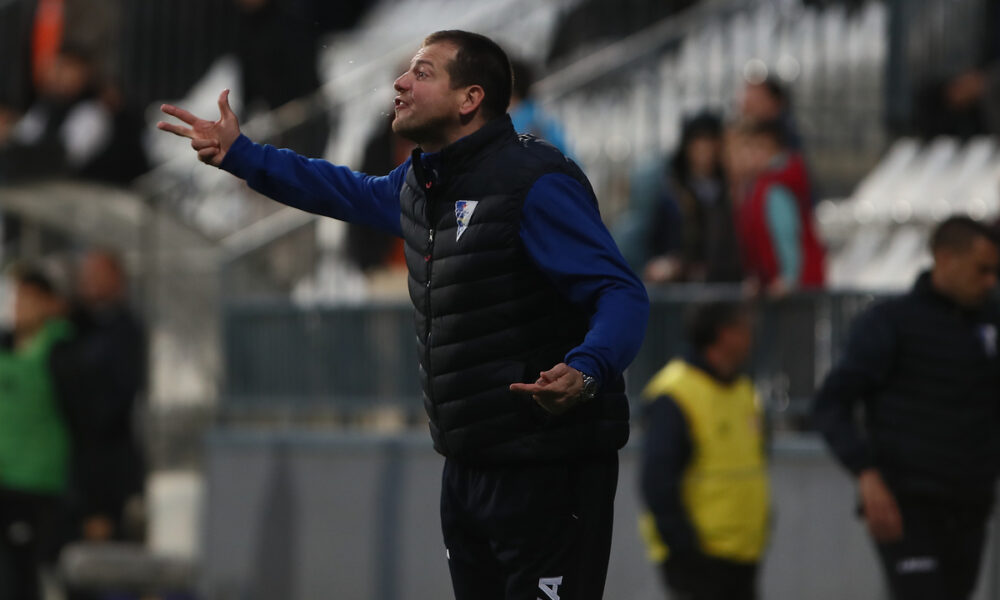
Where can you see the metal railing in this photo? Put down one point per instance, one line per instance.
(296, 363)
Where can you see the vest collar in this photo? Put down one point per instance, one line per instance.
(697, 361)
(924, 287)
(460, 154)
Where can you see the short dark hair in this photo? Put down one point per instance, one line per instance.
(33, 277)
(776, 89)
(705, 321)
(958, 232)
(478, 61)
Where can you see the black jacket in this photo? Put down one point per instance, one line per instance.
(927, 375)
(486, 316)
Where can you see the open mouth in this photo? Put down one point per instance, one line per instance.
(398, 104)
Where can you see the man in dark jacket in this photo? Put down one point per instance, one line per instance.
(526, 314)
(108, 466)
(925, 369)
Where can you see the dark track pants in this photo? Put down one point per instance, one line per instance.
(529, 532)
(25, 523)
(710, 579)
(939, 554)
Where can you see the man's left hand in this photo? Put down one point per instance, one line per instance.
(555, 390)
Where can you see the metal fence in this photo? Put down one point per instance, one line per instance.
(349, 360)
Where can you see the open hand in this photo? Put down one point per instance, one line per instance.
(211, 140)
(555, 390)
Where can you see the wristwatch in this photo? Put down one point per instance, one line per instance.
(590, 387)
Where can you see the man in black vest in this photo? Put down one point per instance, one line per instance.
(925, 368)
(526, 314)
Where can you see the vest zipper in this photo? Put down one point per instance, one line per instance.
(429, 258)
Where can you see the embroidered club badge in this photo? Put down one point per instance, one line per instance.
(463, 214)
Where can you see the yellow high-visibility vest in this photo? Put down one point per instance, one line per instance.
(724, 488)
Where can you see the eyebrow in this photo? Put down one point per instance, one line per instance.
(423, 61)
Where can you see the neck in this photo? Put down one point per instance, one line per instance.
(451, 136)
(939, 283)
(23, 335)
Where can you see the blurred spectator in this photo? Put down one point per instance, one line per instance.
(703, 472)
(77, 127)
(964, 106)
(16, 88)
(369, 248)
(34, 440)
(925, 368)
(968, 103)
(526, 114)
(108, 466)
(780, 248)
(692, 236)
(769, 101)
(32, 34)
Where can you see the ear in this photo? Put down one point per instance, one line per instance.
(471, 100)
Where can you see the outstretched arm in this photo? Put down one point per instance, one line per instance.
(312, 185)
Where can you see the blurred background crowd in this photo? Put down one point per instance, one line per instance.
(792, 151)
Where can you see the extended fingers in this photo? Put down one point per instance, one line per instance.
(526, 388)
(180, 113)
(175, 129)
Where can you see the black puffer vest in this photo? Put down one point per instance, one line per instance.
(486, 316)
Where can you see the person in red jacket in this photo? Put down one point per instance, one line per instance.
(780, 247)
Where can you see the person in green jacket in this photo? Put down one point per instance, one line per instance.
(34, 439)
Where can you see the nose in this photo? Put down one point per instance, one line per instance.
(401, 83)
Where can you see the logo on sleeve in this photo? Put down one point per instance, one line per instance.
(463, 214)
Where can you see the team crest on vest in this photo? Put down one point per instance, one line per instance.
(463, 214)
(988, 335)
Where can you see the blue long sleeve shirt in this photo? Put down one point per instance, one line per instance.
(561, 230)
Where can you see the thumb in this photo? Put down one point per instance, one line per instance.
(224, 109)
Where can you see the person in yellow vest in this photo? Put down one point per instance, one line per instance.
(34, 438)
(703, 474)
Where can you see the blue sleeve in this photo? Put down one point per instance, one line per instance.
(561, 229)
(318, 186)
(785, 228)
(666, 452)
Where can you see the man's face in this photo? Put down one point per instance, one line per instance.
(98, 281)
(969, 275)
(759, 104)
(426, 105)
(32, 307)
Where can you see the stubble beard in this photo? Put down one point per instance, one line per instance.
(420, 133)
